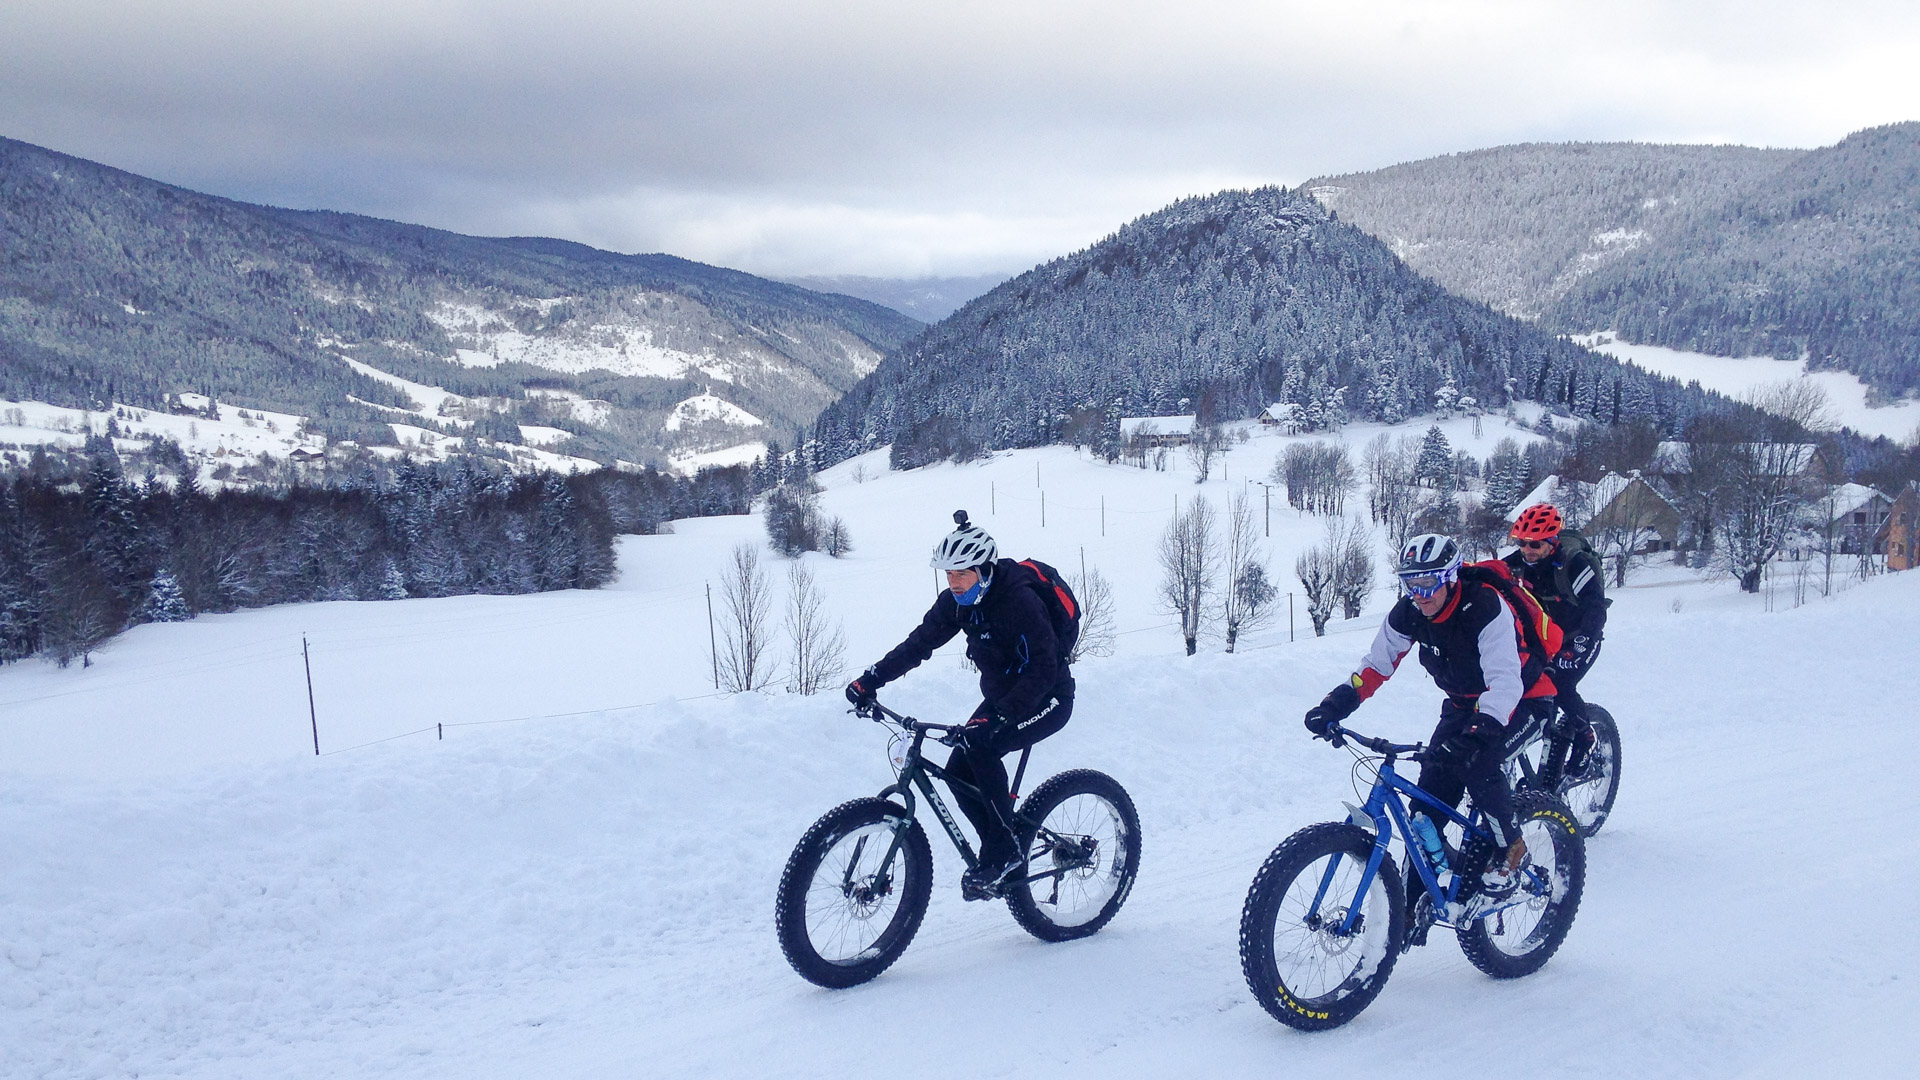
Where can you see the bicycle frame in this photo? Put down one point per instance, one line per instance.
(1385, 813)
(917, 771)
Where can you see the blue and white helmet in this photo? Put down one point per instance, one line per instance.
(1428, 562)
(965, 548)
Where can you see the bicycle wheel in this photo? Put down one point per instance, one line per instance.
(1301, 968)
(1590, 795)
(1081, 831)
(843, 918)
(1519, 939)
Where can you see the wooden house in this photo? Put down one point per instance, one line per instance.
(1901, 532)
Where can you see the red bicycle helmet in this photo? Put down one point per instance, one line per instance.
(1537, 522)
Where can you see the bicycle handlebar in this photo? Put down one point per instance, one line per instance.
(879, 713)
(1337, 734)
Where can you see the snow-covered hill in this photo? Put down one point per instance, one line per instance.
(577, 879)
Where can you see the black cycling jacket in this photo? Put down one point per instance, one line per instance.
(1570, 588)
(1009, 638)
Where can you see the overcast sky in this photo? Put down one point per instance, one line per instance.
(896, 137)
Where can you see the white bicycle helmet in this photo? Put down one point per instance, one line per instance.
(1428, 562)
(965, 548)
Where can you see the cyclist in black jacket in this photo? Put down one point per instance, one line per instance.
(1026, 688)
(1565, 574)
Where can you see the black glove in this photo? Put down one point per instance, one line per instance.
(1335, 707)
(1571, 655)
(860, 691)
(1458, 747)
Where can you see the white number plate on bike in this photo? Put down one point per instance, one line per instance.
(897, 752)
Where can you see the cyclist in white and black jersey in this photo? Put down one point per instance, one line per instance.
(1471, 642)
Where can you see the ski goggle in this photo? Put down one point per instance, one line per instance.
(1424, 586)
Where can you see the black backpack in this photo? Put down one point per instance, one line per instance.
(1062, 606)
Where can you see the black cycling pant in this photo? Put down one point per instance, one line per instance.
(976, 761)
(1448, 779)
(1566, 683)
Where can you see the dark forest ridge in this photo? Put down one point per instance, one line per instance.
(1727, 250)
(1223, 305)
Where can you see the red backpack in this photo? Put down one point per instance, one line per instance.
(1063, 609)
(1539, 638)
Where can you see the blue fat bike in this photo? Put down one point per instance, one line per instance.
(1328, 914)
(857, 884)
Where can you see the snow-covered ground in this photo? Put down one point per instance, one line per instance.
(189, 892)
(1736, 376)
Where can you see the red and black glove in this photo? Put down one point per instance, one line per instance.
(861, 692)
(1335, 707)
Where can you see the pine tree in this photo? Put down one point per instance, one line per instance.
(1435, 463)
(393, 583)
(165, 601)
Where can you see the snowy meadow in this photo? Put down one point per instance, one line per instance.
(537, 841)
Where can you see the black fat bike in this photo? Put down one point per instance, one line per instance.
(1538, 762)
(856, 886)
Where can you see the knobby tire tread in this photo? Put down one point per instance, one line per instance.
(1035, 807)
(790, 905)
(1257, 961)
(1569, 845)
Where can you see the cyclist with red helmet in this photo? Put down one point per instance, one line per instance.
(1565, 574)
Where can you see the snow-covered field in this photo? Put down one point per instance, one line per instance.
(189, 892)
(1736, 376)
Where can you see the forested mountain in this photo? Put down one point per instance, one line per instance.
(115, 288)
(1518, 226)
(1821, 260)
(1720, 249)
(1220, 304)
(928, 299)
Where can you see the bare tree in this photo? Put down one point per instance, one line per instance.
(1353, 565)
(1378, 460)
(1096, 615)
(1317, 476)
(835, 540)
(1247, 601)
(746, 623)
(1209, 441)
(819, 644)
(1758, 466)
(1765, 495)
(1190, 568)
(1318, 569)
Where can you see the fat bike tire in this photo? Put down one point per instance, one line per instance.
(1082, 838)
(840, 920)
(1518, 940)
(1591, 800)
(1301, 970)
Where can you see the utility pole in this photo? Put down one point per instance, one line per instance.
(1268, 489)
(713, 645)
(1103, 515)
(1043, 508)
(311, 715)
